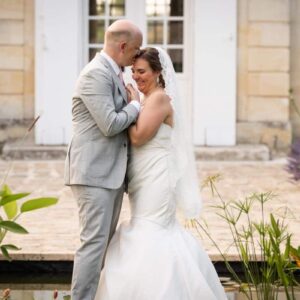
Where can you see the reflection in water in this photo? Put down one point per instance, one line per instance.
(62, 295)
(37, 291)
(38, 295)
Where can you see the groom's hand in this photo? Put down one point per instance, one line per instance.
(132, 93)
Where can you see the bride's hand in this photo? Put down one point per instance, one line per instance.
(132, 93)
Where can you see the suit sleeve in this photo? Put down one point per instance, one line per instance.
(96, 91)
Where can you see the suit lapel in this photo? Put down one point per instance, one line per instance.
(115, 77)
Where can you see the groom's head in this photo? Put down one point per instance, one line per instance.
(123, 40)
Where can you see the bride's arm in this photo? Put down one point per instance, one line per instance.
(155, 111)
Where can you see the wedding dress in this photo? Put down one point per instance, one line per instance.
(152, 257)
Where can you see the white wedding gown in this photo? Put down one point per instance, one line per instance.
(151, 257)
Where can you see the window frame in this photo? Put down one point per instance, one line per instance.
(130, 12)
(106, 18)
(165, 19)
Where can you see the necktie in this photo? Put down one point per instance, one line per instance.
(121, 77)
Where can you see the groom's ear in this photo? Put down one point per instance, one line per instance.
(123, 46)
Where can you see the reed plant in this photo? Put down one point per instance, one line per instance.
(262, 242)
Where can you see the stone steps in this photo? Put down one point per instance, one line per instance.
(31, 151)
(233, 153)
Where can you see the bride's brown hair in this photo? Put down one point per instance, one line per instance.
(152, 57)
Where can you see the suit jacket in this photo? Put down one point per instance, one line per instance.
(97, 153)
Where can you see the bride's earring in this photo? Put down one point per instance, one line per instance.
(157, 80)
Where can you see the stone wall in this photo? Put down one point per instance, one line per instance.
(16, 67)
(263, 108)
(263, 73)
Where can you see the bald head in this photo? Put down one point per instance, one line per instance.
(121, 30)
(122, 41)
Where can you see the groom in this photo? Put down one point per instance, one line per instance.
(97, 155)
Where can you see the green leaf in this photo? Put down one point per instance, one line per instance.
(37, 203)
(6, 190)
(13, 227)
(12, 197)
(11, 247)
(275, 226)
(287, 247)
(244, 254)
(11, 209)
(5, 253)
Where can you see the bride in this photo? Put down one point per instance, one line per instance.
(151, 257)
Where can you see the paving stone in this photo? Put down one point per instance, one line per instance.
(54, 231)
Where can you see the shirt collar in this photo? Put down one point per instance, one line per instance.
(114, 65)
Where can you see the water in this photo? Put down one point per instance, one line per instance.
(32, 280)
(46, 292)
(37, 291)
(36, 280)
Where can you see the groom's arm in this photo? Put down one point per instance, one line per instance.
(96, 93)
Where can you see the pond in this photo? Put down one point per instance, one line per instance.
(37, 291)
(37, 280)
(46, 291)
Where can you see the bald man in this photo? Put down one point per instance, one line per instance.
(96, 162)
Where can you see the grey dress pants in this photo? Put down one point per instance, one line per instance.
(99, 211)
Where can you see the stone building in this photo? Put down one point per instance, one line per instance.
(237, 63)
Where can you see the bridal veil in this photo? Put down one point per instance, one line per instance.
(184, 176)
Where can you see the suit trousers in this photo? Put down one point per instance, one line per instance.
(99, 211)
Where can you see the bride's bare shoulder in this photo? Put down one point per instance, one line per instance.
(159, 97)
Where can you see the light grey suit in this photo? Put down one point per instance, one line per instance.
(96, 166)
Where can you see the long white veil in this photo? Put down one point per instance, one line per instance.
(184, 176)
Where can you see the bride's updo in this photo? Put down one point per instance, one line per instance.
(152, 57)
